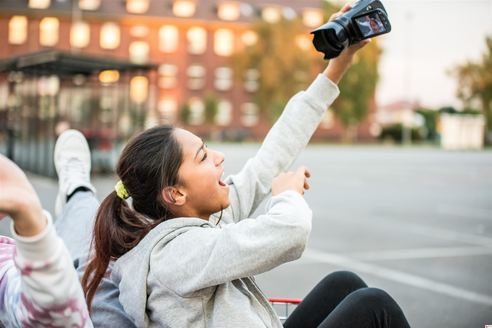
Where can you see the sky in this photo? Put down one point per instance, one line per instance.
(428, 39)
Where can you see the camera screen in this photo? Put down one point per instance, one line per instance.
(370, 24)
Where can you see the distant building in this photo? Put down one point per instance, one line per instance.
(399, 112)
(182, 47)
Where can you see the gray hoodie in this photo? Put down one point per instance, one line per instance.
(188, 272)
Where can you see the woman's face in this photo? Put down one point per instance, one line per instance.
(200, 177)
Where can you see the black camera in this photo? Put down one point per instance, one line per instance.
(366, 19)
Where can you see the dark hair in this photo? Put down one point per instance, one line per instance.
(149, 163)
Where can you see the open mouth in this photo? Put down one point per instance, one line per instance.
(222, 183)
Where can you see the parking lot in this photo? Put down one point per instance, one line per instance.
(416, 222)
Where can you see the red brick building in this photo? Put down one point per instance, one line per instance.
(188, 41)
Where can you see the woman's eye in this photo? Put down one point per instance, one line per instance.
(204, 157)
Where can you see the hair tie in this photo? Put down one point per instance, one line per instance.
(121, 190)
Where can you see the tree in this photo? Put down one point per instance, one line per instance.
(358, 86)
(357, 89)
(211, 108)
(475, 83)
(185, 113)
(284, 62)
(287, 64)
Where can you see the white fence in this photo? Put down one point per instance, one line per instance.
(462, 131)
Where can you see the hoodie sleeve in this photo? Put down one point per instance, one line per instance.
(287, 138)
(39, 286)
(204, 257)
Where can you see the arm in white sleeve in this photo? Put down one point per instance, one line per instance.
(213, 256)
(39, 284)
(283, 144)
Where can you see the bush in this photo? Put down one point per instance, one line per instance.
(395, 133)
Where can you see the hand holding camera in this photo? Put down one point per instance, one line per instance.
(362, 20)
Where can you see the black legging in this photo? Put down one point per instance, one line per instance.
(343, 300)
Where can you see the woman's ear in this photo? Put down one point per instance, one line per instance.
(173, 196)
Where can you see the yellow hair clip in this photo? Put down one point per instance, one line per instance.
(121, 190)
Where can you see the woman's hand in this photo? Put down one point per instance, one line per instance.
(296, 181)
(19, 200)
(338, 66)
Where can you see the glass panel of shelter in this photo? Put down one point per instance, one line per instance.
(41, 106)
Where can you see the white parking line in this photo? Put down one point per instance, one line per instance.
(397, 276)
(420, 253)
(435, 232)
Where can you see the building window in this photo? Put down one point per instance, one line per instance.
(271, 14)
(197, 111)
(89, 4)
(139, 89)
(249, 38)
(224, 42)
(251, 80)
(80, 35)
(249, 114)
(109, 76)
(48, 31)
(168, 73)
(39, 4)
(168, 38)
(18, 30)
(137, 6)
(229, 11)
(223, 78)
(312, 17)
(224, 113)
(167, 110)
(197, 40)
(139, 52)
(184, 8)
(110, 36)
(196, 77)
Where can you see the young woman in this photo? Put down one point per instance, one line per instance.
(185, 248)
(38, 284)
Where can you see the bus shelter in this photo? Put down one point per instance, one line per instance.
(44, 93)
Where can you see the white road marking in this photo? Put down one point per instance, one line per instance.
(420, 253)
(398, 276)
(435, 232)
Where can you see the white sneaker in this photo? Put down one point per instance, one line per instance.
(73, 165)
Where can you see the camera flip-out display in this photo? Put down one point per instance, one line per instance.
(366, 19)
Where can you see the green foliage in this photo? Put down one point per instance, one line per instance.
(475, 82)
(284, 67)
(358, 86)
(395, 133)
(211, 108)
(184, 113)
(430, 117)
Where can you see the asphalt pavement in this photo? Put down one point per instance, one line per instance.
(416, 222)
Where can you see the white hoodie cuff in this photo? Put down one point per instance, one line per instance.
(323, 91)
(39, 247)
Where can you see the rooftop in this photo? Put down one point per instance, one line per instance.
(63, 63)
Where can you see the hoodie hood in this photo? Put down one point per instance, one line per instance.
(133, 287)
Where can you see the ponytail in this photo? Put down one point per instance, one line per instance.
(148, 163)
(117, 229)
